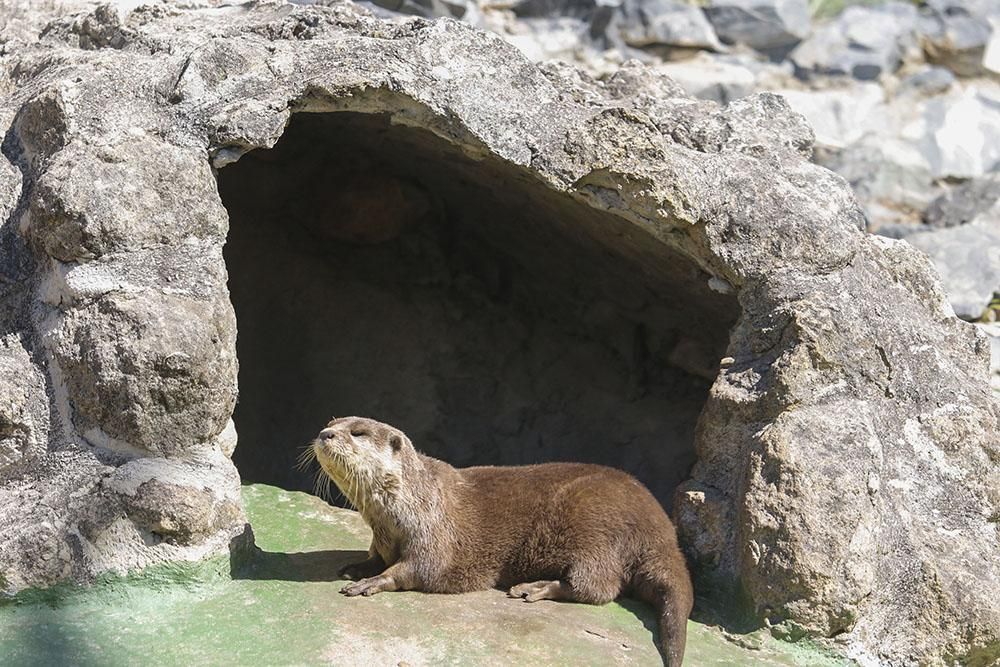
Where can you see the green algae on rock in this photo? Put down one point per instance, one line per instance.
(282, 607)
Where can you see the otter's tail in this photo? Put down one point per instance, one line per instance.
(665, 584)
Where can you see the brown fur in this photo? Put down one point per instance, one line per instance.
(567, 531)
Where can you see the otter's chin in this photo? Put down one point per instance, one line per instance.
(318, 450)
(330, 458)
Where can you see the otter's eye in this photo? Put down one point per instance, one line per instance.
(357, 433)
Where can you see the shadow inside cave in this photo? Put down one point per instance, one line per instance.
(378, 270)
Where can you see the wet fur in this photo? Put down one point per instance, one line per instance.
(567, 531)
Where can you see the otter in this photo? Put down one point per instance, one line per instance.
(554, 531)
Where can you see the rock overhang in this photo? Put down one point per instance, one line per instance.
(462, 299)
(853, 398)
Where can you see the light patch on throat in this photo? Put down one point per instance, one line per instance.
(336, 471)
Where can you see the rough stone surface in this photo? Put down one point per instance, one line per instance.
(863, 42)
(847, 452)
(723, 78)
(171, 387)
(956, 34)
(664, 23)
(959, 133)
(770, 26)
(964, 202)
(930, 81)
(968, 259)
(24, 419)
(992, 330)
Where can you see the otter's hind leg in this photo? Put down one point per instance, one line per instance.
(581, 585)
(540, 590)
(593, 585)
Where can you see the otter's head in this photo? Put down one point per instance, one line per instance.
(364, 458)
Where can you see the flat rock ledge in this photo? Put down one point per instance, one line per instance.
(280, 604)
(848, 473)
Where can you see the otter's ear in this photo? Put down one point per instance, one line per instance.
(396, 442)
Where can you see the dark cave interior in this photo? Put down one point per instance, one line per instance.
(377, 270)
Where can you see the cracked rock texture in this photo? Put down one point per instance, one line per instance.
(848, 465)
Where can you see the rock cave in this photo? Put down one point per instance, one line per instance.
(376, 270)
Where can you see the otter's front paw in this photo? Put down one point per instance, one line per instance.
(365, 587)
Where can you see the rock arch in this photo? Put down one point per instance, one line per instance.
(495, 320)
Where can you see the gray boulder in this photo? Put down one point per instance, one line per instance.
(991, 54)
(664, 24)
(722, 77)
(23, 426)
(959, 133)
(845, 474)
(928, 82)
(964, 202)
(582, 9)
(862, 42)
(956, 34)
(772, 27)
(566, 39)
(457, 9)
(889, 177)
(968, 259)
(992, 331)
(842, 115)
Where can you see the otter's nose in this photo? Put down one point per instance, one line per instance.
(327, 433)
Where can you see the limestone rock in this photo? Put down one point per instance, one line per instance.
(23, 421)
(862, 42)
(76, 215)
(769, 26)
(991, 54)
(45, 504)
(546, 39)
(956, 34)
(964, 202)
(840, 116)
(583, 9)
(179, 503)
(663, 26)
(723, 78)
(169, 383)
(664, 23)
(968, 259)
(883, 172)
(928, 82)
(429, 8)
(847, 451)
(960, 132)
(992, 331)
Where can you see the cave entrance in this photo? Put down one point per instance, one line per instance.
(377, 270)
